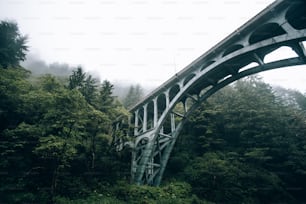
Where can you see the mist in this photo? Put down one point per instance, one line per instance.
(39, 67)
(121, 89)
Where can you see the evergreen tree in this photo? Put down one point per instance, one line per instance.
(83, 82)
(105, 97)
(12, 45)
(77, 78)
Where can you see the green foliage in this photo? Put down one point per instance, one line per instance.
(13, 85)
(219, 178)
(173, 192)
(86, 84)
(12, 45)
(52, 137)
(92, 199)
(105, 100)
(77, 79)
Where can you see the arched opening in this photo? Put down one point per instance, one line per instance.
(231, 49)
(161, 104)
(296, 15)
(266, 31)
(150, 115)
(248, 66)
(173, 91)
(283, 52)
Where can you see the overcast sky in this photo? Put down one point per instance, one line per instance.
(135, 41)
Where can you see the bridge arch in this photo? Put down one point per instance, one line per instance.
(239, 55)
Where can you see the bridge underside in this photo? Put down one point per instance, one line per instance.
(156, 121)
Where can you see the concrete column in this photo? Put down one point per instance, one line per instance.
(155, 112)
(145, 117)
(172, 122)
(167, 98)
(287, 27)
(136, 123)
(185, 106)
(299, 49)
(258, 59)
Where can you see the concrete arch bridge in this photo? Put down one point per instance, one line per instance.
(156, 121)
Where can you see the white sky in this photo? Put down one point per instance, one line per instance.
(135, 41)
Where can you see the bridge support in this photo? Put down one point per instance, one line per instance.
(157, 120)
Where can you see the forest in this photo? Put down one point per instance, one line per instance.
(245, 144)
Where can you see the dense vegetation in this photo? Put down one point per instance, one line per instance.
(246, 144)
